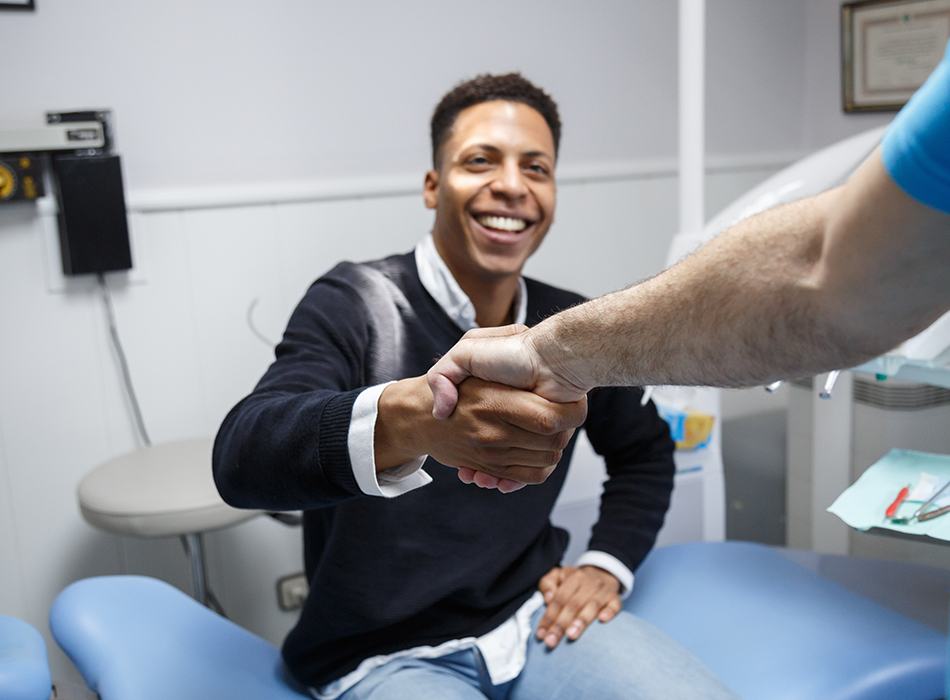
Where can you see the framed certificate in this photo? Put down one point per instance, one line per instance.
(888, 48)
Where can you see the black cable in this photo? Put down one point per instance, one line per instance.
(212, 599)
(123, 363)
(249, 317)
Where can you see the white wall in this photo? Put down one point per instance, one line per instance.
(233, 99)
(754, 83)
(225, 91)
(823, 120)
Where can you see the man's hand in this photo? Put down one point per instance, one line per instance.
(575, 597)
(506, 436)
(505, 355)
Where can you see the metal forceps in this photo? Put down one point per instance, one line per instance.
(919, 514)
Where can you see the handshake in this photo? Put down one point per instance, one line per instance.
(512, 412)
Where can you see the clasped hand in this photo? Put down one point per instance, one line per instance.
(497, 436)
(503, 437)
(504, 355)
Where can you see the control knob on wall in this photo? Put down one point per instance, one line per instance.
(21, 178)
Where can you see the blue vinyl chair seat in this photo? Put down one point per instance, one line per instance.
(137, 638)
(774, 630)
(770, 628)
(24, 667)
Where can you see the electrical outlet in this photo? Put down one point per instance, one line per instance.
(292, 591)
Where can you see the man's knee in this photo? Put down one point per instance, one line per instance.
(632, 657)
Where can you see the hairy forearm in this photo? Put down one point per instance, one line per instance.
(733, 313)
(823, 283)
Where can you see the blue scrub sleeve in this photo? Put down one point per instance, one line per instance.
(916, 148)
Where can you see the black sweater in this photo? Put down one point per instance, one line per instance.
(441, 562)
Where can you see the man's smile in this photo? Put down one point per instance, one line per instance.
(502, 223)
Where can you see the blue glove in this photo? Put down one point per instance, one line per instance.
(916, 148)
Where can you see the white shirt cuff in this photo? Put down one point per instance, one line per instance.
(611, 565)
(390, 482)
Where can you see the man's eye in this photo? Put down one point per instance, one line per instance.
(538, 168)
(478, 160)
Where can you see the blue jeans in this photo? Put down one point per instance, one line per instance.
(626, 658)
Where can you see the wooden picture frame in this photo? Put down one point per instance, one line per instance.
(888, 48)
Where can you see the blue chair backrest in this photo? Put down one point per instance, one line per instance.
(24, 667)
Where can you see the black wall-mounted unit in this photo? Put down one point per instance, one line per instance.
(93, 230)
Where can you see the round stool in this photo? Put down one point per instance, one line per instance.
(160, 491)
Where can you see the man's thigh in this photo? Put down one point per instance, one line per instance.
(453, 678)
(626, 658)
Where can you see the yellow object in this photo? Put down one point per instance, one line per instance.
(7, 182)
(697, 429)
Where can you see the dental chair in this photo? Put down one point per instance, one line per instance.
(24, 668)
(137, 638)
(769, 626)
(133, 637)
(777, 624)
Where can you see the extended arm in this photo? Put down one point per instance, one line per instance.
(819, 284)
(823, 283)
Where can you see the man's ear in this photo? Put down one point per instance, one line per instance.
(430, 189)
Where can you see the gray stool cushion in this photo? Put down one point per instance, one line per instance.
(158, 491)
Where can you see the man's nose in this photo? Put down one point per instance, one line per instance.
(510, 181)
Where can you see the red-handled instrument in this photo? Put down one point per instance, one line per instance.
(896, 503)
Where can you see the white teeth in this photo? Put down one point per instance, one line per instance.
(503, 223)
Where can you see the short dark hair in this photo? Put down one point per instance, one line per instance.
(510, 87)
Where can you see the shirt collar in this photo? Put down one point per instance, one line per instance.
(442, 286)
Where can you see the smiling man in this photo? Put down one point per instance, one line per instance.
(422, 586)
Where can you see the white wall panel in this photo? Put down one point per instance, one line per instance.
(313, 237)
(157, 327)
(754, 70)
(235, 92)
(11, 576)
(607, 235)
(231, 261)
(225, 91)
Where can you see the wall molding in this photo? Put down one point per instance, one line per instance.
(147, 200)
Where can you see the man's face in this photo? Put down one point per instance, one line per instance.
(494, 191)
